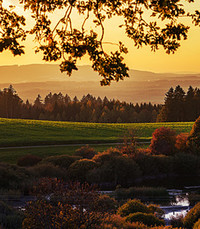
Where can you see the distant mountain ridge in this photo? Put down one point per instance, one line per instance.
(51, 72)
(142, 86)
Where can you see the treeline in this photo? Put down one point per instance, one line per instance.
(180, 106)
(58, 107)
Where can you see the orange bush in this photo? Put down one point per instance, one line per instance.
(181, 142)
(192, 216)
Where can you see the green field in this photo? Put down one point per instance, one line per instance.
(17, 132)
(12, 155)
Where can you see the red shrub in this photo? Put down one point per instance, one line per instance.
(181, 142)
(163, 141)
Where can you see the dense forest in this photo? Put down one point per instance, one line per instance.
(62, 108)
(178, 106)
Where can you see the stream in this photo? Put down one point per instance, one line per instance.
(178, 203)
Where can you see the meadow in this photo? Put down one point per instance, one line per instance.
(17, 132)
(12, 155)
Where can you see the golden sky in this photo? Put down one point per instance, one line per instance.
(186, 59)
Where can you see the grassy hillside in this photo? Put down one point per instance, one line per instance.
(16, 132)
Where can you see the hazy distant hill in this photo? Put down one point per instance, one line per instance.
(30, 80)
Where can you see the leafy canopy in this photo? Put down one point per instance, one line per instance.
(67, 42)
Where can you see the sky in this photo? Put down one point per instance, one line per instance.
(185, 60)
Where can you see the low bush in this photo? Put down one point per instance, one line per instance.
(140, 192)
(145, 218)
(63, 161)
(152, 165)
(156, 210)
(197, 225)
(118, 222)
(129, 145)
(9, 217)
(78, 170)
(85, 152)
(48, 170)
(68, 206)
(107, 155)
(105, 203)
(132, 206)
(163, 141)
(114, 168)
(181, 142)
(192, 216)
(13, 177)
(194, 137)
(186, 164)
(28, 160)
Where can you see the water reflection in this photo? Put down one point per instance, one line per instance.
(181, 200)
(175, 214)
(178, 207)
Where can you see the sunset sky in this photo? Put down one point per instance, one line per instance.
(185, 60)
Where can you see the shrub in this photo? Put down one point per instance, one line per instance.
(13, 177)
(181, 142)
(192, 216)
(197, 225)
(186, 164)
(152, 165)
(68, 206)
(9, 217)
(63, 161)
(194, 137)
(78, 170)
(105, 204)
(129, 145)
(118, 222)
(145, 218)
(156, 210)
(85, 152)
(48, 170)
(28, 160)
(163, 141)
(140, 192)
(115, 168)
(107, 155)
(132, 206)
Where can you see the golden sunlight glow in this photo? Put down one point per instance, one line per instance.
(186, 59)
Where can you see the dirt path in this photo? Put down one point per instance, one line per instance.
(63, 145)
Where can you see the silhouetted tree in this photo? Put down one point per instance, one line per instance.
(67, 42)
(180, 106)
